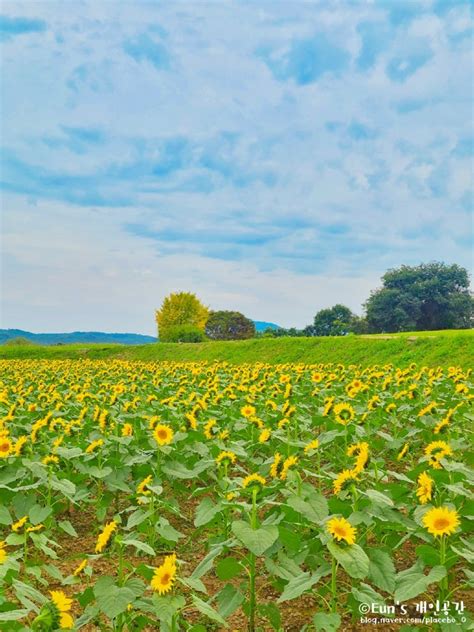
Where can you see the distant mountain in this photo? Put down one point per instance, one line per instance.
(87, 337)
(261, 325)
(76, 336)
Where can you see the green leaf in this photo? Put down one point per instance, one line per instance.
(352, 558)
(166, 607)
(228, 568)
(64, 486)
(38, 514)
(428, 554)
(272, 614)
(14, 615)
(140, 546)
(412, 582)
(205, 512)
(207, 610)
(206, 563)
(382, 570)
(316, 509)
(297, 586)
(5, 517)
(137, 517)
(366, 594)
(326, 622)
(256, 540)
(178, 470)
(111, 599)
(228, 600)
(167, 531)
(66, 526)
(378, 498)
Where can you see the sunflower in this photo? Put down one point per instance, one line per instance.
(344, 413)
(328, 404)
(208, 432)
(163, 434)
(289, 462)
(127, 430)
(94, 445)
(275, 467)
(142, 488)
(19, 524)
(226, 455)
(253, 479)
(3, 553)
(49, 459)
(104, 536)
(402, 452)
(344, 477)
(264, 435)
(425, 488)
(441, 521)
(248, 411)
(312, 445)
(63, 605)
(361, 452)
(441, 425)
(164, 575)
(5, 447)
(78, 570)
(437, 450)
(341, 529)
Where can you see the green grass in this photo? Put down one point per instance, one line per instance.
(444, 348)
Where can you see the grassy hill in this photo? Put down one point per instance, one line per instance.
(432, 348)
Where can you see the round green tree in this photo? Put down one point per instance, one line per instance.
(226, 325)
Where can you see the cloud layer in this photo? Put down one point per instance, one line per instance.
(272, 158)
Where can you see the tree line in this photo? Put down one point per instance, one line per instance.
(429, 296)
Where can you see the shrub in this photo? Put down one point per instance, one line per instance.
(183, 333)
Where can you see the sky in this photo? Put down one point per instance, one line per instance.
(275, 158)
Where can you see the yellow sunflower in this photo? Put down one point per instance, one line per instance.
(63, 605)
(344, 413)
(312, 445)
(402, 452)
(163, 434)
(441, 521)
(253, 479)
(287, 463)
(226, 455)
(344, 477)
(275, 467)
(425, 488)
(104, 536)
(5, 447)
(341, 529)
(3, 553)
(248, 411)
(164, 575)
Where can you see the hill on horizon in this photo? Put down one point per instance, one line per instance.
(87, 337)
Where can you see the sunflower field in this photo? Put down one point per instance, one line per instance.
(210, 496)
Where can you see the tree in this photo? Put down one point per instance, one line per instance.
(334, 321)
(225, 325)
(425, 297)
(181, 308)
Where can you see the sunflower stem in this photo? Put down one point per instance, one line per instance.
(333, 584)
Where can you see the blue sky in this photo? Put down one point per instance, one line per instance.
(273, 157)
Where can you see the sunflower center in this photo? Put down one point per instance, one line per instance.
(162, 434)
(441, 523)
(340, 531)
(4, 447)
(165, 578)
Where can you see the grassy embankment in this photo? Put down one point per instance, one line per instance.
(445, 348)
